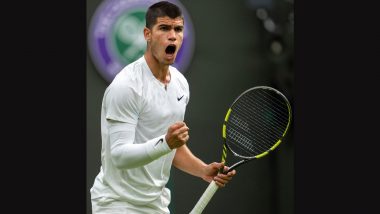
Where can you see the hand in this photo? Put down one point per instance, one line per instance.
(177, 135)
(212, 173)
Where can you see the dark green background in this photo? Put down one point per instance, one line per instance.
(232, 53)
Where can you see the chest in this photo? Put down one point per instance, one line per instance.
(164, 105)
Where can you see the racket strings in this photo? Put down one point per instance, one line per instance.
(266, 124)
(239, 135)
(258, 120)
(245, 144)
(262, 132)
(273, 118)
(278, 107)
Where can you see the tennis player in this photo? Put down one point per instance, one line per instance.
(143, 133)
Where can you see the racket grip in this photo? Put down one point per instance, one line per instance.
(203, 201)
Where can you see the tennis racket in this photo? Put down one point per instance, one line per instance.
(254, 125)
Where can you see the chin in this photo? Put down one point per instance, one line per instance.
(169, 62)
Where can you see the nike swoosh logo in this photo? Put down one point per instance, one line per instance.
(159, 141)
(179, 98)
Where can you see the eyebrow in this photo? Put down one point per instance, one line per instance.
(167, 25)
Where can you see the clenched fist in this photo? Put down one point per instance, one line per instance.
(177, 135)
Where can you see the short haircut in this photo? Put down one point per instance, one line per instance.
(161, 9)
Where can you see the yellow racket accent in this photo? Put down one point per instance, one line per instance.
(228, 114)
(275, 145)
(288, 120)
(272, 148)
(224, 131)
(224, 154)
(262, 154)
(224, 125)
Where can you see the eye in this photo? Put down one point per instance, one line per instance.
(178, 29)
(164, 28)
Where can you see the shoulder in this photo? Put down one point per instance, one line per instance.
(180, 78)
(130, 78)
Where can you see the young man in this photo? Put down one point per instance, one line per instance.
(143, 133)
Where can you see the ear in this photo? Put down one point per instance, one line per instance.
(147, 34)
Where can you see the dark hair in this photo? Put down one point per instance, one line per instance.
(161, 9)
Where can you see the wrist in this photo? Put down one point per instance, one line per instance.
(158, 147)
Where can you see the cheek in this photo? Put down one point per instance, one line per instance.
(155, 42)
(180, 41)
(180, 38)
(158, 42)
(157, 48)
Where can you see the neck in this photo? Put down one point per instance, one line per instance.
(160, 71)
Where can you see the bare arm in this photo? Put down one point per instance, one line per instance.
(186, 161)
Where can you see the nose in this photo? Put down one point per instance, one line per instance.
(172, 36)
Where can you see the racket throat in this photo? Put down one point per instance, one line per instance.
(236, 165)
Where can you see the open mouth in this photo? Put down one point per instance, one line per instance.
(170, 49)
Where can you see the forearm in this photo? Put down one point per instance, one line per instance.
(125, 154)
(187, 162)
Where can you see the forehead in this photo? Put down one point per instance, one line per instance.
(169, 21)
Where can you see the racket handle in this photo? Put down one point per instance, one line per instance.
(203, 201)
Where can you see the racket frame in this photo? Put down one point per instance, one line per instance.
(224, 133)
